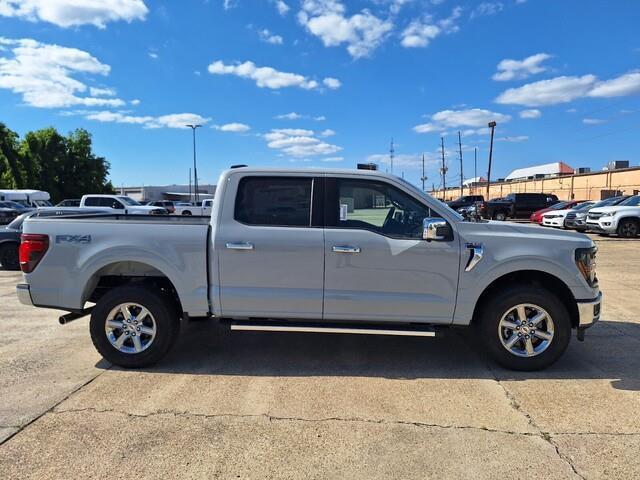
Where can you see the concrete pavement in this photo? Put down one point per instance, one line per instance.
(263, 405)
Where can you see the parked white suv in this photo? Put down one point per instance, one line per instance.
(623, 219)
(119, 204)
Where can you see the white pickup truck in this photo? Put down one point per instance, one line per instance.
(622, 219)
(204, 209)
(119, 204)
(336, 251)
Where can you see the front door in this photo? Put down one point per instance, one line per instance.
(271, 256)
(377, 266)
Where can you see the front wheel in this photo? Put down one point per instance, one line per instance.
(525, 328)
(500, 216)
(9, 256)
(133, 327)
(628, 228)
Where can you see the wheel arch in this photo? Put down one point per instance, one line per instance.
(535, 278)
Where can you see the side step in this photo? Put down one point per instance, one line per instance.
(400, 330)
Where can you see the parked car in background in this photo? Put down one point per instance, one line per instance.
(119, 204)
(623, 219)
(10, 235)
(73, 202)
(576, 220)
(168, 205)
(201, 208)
(465, 201)
(536, 217)
(7, 215)
(556, 218)
(516, 205)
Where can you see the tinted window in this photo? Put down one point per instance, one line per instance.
(380, 207)
(92, 202)
(278, 201)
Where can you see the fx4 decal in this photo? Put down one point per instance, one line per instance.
(75, 239)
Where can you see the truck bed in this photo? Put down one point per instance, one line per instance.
(85, 248)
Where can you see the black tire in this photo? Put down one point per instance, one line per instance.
(9, 256)
(186, 212)
(497, 306)
(628, 228)
(500, 216)
(164, 312)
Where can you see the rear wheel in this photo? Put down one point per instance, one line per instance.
(186, 212)
(500, 216)
(628, 228)
(9, 256)
(525, 328)
(134, 326)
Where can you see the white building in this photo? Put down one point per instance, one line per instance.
(180, 193)
(538, 171)
(473, 181)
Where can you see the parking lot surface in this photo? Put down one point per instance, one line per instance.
(268, 405)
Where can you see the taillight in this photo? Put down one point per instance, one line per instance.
(33, 246)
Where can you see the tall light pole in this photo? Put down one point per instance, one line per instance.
(195, 168)
(492, 126)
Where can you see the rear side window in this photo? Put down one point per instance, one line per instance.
(92, 202)
(274, 201)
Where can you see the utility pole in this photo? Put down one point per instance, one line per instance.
(195, 168)
(461, 173)
(492, 126)
(423, 177)
(190, 184)
(443, 171)
(392, 152)
(475, 163)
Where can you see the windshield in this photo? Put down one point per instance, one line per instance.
(12, 204)
(423, 195)
(43, 203)
(128, 201)
(559, 206)
(631, 201)
(583, 206)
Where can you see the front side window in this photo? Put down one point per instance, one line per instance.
(274, 201)
(379, 207)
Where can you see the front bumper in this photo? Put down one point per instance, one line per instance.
(553, 222)
(589, 311)
(24, 294)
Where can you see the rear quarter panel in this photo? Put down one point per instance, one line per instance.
(66, 274)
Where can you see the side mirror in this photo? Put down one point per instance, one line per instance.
(435, 229)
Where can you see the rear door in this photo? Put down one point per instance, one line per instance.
(270, 248)
(377, 266)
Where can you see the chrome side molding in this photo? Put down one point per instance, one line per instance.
(475, 255)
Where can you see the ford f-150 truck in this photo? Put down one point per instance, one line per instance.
(336, 251)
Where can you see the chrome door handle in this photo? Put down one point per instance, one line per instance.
(345, 249)
(239, 246)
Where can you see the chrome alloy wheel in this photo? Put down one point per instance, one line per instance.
(130, 328)
(526, 330)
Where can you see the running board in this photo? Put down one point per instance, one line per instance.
(413, 331)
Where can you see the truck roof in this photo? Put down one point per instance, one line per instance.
(313, 171)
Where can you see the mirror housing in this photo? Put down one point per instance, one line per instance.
(436, 229)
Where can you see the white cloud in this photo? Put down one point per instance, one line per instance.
(472, 117)
(298, 142)
(593, 121)
(265, 77)
(289, 116)
(332, 159)
(229, 4)
(153, 55)
(548, 92)
(174, 120)
(102, 92)
(282, 7)
(44, 74)
(515, 139)
(487, 8)
(233, 127)
(509, 69)
(332, 83)
(135, 102)
(327, 133)
(71, 13)
(532, 113)
(419, 33)
(320, 118)
(269, 37)
(327, 19)
(627, 84)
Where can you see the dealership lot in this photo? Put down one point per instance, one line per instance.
(259, 405)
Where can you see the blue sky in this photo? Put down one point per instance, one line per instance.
(322, 83)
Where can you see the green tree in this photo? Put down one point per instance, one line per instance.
(11, 172)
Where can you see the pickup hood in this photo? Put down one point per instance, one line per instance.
(524, 234)
(616, 209)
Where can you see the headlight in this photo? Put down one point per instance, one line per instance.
(609, 214)
(586, 263)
